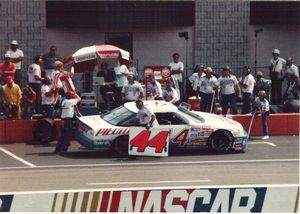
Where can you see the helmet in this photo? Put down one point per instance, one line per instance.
(276, 51)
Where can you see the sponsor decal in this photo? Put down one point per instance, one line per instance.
(109, 55)
(5, 202)
(178, 200)
(112, 131)
(157, 75)
(85, 57)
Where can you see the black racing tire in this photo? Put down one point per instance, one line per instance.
(221, 141)
(120, 145)
(44, 130)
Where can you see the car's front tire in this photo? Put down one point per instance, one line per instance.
(221, 141)
(120, 145)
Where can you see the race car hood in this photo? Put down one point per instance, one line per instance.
(95, 122)
(221, 122)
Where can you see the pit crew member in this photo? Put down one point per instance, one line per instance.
(144, 116)
(132, 91)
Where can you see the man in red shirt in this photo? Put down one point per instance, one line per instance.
(7, 68)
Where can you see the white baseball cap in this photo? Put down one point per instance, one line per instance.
(276, 51)
(7, 55)
(14, 42)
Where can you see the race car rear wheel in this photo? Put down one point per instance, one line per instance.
(221, 141)
(121, 145)
(44, 130)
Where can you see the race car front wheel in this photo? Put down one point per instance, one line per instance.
(121, 145)
(221, 141)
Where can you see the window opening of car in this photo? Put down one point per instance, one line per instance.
(170, 118)
(192, 115)
(118, 116)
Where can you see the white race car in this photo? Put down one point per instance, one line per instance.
(188, 129)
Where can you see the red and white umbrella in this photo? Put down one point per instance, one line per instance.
(85, 59)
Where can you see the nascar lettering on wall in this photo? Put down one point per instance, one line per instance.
(241, 199)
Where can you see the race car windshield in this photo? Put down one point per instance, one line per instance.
(118, 116)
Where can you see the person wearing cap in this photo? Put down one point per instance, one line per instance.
(194, 79)
(292, 76)
(67, 114)
(49, 60)
(276, 68)
(261, 106)
(35, 79)
(132, 91)
(17, 57)
(261, 84)
(208, 86)
(248, 84)
(7, 68)
(228, 87)
(12, 96)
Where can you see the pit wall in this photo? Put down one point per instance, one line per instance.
(279, 124)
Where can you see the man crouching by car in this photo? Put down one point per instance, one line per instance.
(144, 117)
(67, 113)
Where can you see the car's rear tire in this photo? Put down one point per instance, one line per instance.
(221, 141)
(44, 130)
(120, 145)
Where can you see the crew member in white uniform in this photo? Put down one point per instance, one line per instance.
(170, 94)
(35, 79)
(261, 105)
(208, 85)
(68, 109)
(228, 85)
(196, 77)
(177, 68)
(132, 91)
(292, 76)
(155, 90)
(277, 66)
(145, 117)
(247, 89)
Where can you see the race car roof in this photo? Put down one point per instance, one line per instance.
(157, 106)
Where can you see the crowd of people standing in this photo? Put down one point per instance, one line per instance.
(40, 94)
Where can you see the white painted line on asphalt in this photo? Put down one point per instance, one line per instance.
(262, 143)
(16, 157)
(271, 144)
(157, 163)
(150, 182)
(153, 188)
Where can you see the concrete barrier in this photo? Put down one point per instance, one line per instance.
(279, 124)
(19, 130)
